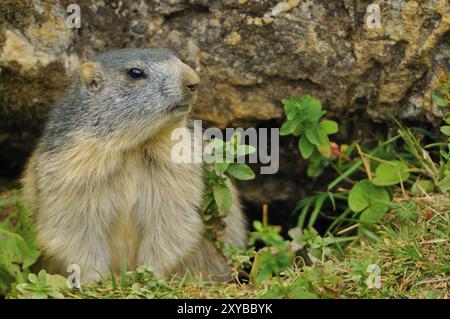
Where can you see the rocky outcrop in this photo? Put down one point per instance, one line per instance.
(249, 54)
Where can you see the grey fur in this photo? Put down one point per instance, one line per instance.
(121, 101)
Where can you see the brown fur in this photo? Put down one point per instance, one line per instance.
(93, 207)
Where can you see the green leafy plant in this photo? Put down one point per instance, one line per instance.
(276, 257)
(314, 248)
(43, 286)
(366, 177)
(369, 200)
(390, 173)
(239, 260)
(304, 119)
(309, 284)
(221, 166)
(273, 265)
(18, 250)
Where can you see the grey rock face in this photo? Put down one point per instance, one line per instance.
(249, 54)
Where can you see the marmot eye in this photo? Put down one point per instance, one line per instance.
(136, 73)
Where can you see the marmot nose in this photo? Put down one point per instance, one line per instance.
(191, 79)
(192, 87)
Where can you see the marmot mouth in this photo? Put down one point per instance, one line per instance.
(180, 108)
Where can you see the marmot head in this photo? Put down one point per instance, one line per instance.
(123, 98)
(141, 86)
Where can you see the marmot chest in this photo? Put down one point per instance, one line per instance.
(152, 198)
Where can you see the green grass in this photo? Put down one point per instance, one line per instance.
(383, 240)
(411, 247)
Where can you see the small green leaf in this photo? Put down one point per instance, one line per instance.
(323, 138)
(241, 171)
(328, 127)
(311, 109)
(294, 101)
(216, 143)
(364, 194)
(310, 102)
(390, 173)
(373, 214)
(297, 128)
(42, 276)
(312, 134)
(445, 130)
(324, 146)
(286, 128)
(243, 150)
(306, 148)
(422, 187)
(222, 196)
(33, 278)
(289, 109)
(440, 101)
(219, 168)
(57, 281)
(315, 169)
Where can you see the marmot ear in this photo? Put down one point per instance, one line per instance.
(91, 76)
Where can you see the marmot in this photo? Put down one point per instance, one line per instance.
(101, 182)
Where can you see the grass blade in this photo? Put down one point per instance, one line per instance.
(123, 275)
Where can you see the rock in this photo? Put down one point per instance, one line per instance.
(250, 54)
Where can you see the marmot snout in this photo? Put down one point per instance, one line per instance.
(102, 184)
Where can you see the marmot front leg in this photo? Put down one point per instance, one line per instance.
(167, 237)
(73, 241)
